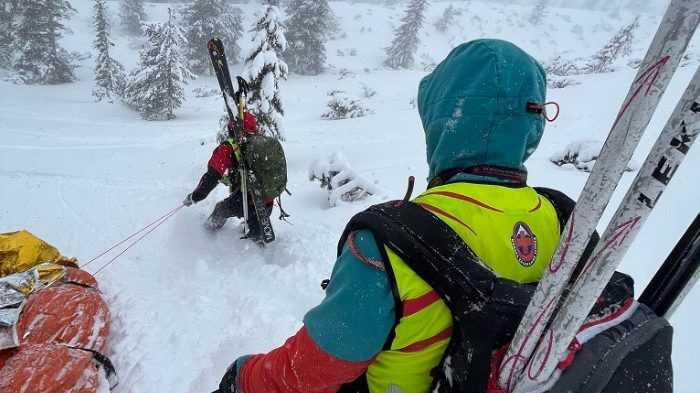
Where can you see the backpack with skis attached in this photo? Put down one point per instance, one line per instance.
(624, 346)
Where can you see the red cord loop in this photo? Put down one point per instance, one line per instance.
(545, 113)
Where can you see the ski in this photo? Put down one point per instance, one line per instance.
(661, 164)
(677, 276)
(250, 185)
(521, 370)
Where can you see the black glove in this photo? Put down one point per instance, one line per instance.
(228, 382)
(188, 200)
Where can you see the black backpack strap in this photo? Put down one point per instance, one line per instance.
(485, 309)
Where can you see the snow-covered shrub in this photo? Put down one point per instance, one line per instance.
(345, 73)
(427, 63)
(343, 184)
(560, 66)
(341, 106)
(619, 46)
(582, 155)
(368, 92)
(560, 83)
(203, 92)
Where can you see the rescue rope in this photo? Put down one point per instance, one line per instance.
(147, 229)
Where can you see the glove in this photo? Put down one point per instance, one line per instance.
(188, 200)
(228, 382)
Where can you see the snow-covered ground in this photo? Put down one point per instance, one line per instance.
(185, 302)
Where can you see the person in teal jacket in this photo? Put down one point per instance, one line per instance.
(482, 111)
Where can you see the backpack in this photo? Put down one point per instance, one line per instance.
(633, 356)
(266, 159)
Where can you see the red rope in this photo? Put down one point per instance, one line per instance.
(166, 215)
(162, 220)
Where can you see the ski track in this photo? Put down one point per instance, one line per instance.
(186, 302)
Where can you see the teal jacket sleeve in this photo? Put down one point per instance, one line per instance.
(357, 314)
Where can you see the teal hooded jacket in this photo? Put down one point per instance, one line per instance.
(474, 111)
(474, 108)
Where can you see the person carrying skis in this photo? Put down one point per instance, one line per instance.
(390, 321)
(223, 167)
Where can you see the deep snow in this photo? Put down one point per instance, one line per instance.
(185, 303)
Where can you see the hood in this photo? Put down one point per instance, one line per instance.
(473, 107)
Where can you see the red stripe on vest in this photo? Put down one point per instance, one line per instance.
(421, 345)
(412, 306)
(434, 209)
(539, 204)
(464, 198)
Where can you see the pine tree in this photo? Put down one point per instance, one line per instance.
(211, 18)
(132, 15)
(539, 12)
(109, 74)
(618, 46)
(40, 57)
(9, 10)
(449, 17)
(309, 25)
(403, 48)
(264, 68)
(155, 87)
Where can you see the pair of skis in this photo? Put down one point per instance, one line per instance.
(549, 325)
(250, 184)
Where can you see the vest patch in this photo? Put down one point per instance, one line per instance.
(524, 244)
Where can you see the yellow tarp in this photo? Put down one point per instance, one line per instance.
(21, 251)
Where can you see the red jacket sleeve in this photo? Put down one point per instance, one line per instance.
(299, 366)
(221, 159)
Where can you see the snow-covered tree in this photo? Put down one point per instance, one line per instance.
(9, 10)
(539, 12)
(205, 19)
(403, 48)
(618, 46)
(156, 87)
(132, 15)
(447, 19)
(309, 25)
(40, 58)
(109, 74)
(264, 68)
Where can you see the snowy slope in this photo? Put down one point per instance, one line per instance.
(186, 303)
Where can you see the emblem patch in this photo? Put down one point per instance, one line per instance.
(524, 244)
